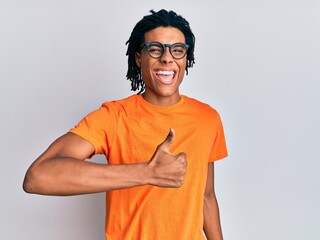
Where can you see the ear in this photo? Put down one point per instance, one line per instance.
(137, 57)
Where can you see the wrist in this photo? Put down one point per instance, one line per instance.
(147, 173)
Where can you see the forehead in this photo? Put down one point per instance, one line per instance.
(164, 35)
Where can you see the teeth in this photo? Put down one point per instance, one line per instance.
(165, 72)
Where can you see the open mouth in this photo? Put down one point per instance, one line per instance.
(165, 77)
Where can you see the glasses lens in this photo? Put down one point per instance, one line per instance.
(178, 50)
(155, 50)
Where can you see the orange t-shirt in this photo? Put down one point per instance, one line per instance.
(128, 131)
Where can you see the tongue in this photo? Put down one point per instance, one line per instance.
(165, 78)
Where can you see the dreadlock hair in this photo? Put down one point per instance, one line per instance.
(161, 18)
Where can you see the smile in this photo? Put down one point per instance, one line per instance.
(165, 77)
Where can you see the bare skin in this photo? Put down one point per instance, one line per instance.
(212, 226)
(156, 91)
(61, 169)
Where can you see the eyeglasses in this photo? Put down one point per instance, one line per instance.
(156, 49)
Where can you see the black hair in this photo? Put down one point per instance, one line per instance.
(162, 18)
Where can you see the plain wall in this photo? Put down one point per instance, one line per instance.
(257, 63)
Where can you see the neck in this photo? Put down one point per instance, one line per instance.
(162, 101)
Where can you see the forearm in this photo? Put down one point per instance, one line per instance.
(67, 176)
(62, 169)
(212, 225)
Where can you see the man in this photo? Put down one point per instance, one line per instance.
(158, 191)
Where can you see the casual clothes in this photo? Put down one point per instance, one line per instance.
(128, 131)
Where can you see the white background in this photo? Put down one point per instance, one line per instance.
(257, 63)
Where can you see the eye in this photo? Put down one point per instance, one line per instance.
(155, 48)
(178, 50)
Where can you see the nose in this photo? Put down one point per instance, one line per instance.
(166, 56)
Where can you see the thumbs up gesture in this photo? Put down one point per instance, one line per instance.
(167, 170)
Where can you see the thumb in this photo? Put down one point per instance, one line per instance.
(169, 139)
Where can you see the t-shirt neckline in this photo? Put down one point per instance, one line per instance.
(161, 108)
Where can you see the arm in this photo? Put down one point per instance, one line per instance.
(61, 169)
(212, 226)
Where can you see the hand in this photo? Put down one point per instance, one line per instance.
(167, 170)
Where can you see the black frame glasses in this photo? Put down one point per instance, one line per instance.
(157, 49)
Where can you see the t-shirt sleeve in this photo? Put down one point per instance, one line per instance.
(99, 128)
(219, 148)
